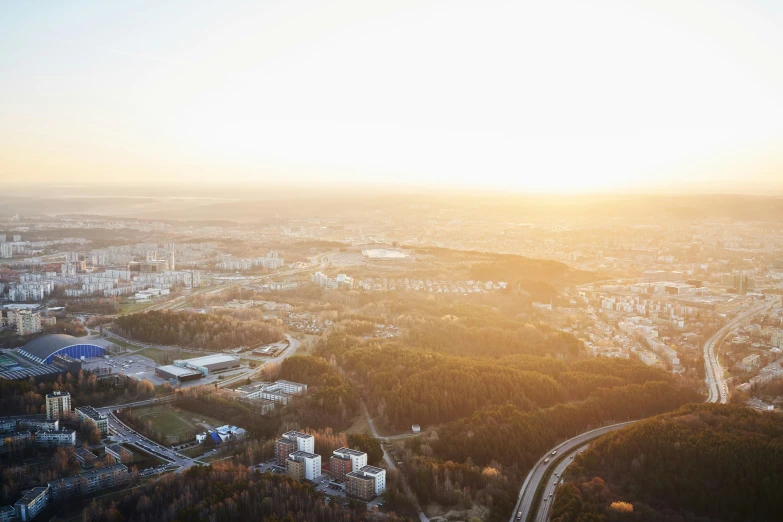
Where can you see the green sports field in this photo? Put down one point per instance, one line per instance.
(174, 422)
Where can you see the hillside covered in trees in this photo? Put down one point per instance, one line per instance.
(207, 331)
(704, 462)
(491, 413)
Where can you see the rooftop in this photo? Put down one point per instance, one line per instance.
(349, 451)
(91, 412)
(211, 359)
(177, 371)
(31, 495)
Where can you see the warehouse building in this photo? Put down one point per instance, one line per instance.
(177, 372)
(210, 363)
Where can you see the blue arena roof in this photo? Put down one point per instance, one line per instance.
(44, 348)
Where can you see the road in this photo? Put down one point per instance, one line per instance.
(716, 383)
(718, 392)
(528, 492)
(392, 466)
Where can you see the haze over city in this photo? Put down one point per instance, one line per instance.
(365, 261)
(552, 97)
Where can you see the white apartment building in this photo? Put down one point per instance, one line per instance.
(311, 462)
(55, 438)
(28, 322)
(358, 458)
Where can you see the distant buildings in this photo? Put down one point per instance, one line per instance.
(751, 362)
(279, 392)
(58, 405)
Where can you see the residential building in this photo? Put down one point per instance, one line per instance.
(751, 362)
(90, 414)
(28, 322)
(32, 503)
(55, 438)
(7, 514)
(90, 481)
(16, 438)
(7, 425)
(310, 468)
(367, 482)
(85, 457)
(58, 405)
(6, 250)
(345, 460)
(119, 454)
(290, 442)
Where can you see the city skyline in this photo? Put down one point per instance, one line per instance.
(556, 98)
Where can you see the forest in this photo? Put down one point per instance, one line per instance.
(223, 493)
(27, 397)
(207, 331)
(703, 462)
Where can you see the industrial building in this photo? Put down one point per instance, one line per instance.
(43, 349)
(178, 373)
(210, 363)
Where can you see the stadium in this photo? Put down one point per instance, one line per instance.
(43, 349)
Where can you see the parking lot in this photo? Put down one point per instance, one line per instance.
(140, 367)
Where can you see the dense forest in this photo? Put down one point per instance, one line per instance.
(702, 462)
(208, 331)
(223, 493)
(28, 397)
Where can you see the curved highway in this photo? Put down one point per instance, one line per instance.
(717, 392)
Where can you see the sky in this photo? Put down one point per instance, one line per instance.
(528, 96)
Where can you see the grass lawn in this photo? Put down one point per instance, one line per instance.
(194, 452)
(175, 422)
(132, 308)
(142, 459)
(359, 425)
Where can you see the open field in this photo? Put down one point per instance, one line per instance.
(174, 422)
(132, 308)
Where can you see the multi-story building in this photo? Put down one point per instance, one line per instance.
(90, 481)
(7, 514)
(90, 414)
(7, 425)
(367, 482)
(39, 423)
(16, 438)
(32, 503)
(85, 457)
(58, 405)
(304, 465)
(55, 438)
(345, 460)
(28, 322)
(290, 442)
(6, 250)
(119, 454)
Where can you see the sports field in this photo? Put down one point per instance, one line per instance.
(174, 422)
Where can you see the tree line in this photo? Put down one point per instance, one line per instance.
(208, 331)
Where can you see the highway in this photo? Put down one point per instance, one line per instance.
(528, 492)
(717, 389)
(717, 392)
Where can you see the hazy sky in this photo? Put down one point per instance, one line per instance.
(520, 95)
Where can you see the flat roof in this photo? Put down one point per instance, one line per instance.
(178, 371)
(297, 434)
(371, 469)
(304, 454)
(349, 451)
(211, 359)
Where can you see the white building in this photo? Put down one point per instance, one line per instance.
(358, 458)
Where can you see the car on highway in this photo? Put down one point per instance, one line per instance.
(546, 460)
(554, 453)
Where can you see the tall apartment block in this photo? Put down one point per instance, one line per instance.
(290, 442)
(58, 405)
